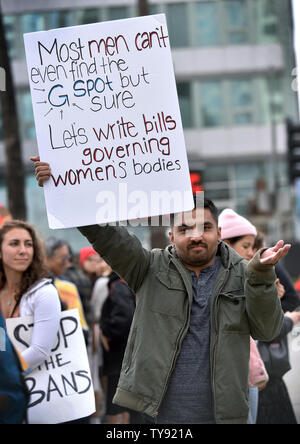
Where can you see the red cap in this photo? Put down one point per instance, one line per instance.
(85, 253)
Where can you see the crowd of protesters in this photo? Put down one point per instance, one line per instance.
(171, 339)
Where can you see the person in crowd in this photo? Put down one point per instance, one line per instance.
(5, 215)
(25, 289)
(99, 295)
(89, 261)
(78, 276)
(13, 392)
(75, 274)
(275, 406)
(100, 290)
(297, 287)
(189, 338)
(286, 289)
(57, 261)
(240, 234)
(116, 318)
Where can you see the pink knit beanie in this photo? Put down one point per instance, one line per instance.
(234, 225)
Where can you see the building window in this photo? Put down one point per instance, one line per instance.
(250, 171)
(118, 13)
(86, 16)
(236, 21)
(216, 173)
(154, 9)
(267, 21)
(25, 112)
(60, 19)
(13, 36)
(32, 22)
(272, 99)
(242, 102)
(206, 24)
(270, 21)
(275, 96)
(178, 25)
(184, 96)
(216, 182)
(212, 104)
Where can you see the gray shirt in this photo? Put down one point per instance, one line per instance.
(188, 399)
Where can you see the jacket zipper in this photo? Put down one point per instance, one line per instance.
(214, 348)
(173, 364)
(179, 342)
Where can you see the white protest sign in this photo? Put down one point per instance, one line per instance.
(61, 389)
(108, 121)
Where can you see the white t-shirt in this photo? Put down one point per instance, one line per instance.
(42, 303)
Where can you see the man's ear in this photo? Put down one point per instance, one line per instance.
(219, 233)
(171, 235)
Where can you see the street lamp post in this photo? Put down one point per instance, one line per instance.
(15, 173)
(274, 158)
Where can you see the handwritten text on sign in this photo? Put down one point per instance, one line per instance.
(106, 112)
(61, 388)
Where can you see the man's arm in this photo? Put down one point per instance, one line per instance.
(262, 301)
(121, 250)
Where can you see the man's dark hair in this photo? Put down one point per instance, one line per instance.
(208, 204)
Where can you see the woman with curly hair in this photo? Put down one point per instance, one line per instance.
(25, 289)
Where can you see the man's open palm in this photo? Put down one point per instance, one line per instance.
(273, 255)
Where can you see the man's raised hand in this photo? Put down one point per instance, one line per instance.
(272, 256)
(42, 170)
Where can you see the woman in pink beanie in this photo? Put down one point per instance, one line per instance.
(238, 232)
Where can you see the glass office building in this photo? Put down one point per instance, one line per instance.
(233, 61)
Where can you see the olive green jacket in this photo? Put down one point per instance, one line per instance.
(244, 302)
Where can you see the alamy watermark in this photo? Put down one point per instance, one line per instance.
(130, 206)
(2, 79)
(2, 340)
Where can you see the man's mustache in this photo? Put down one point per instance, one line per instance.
(197, 244)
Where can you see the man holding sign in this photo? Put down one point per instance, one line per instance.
(108, 122)
(197, 303)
